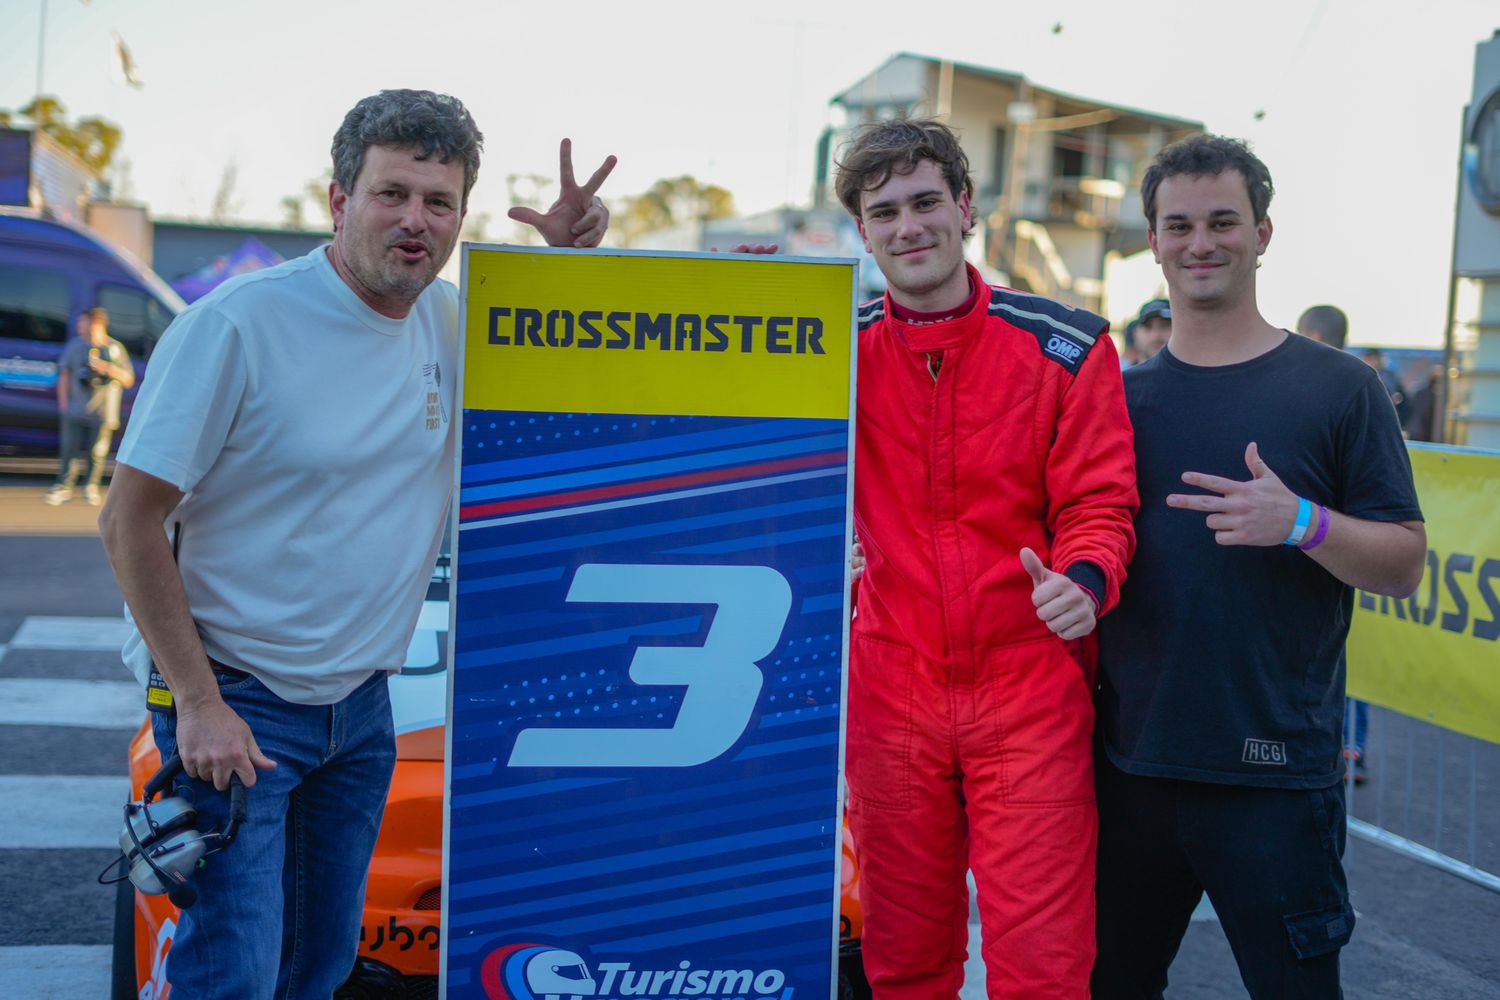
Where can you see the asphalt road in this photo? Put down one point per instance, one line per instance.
(67, 712)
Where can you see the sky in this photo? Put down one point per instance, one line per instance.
(1362, 101)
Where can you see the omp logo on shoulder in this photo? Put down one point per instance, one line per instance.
(542, 972)
(1264, 752)
(1064, 348)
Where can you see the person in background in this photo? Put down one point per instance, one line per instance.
(1128, 353)
(1375, 358)
(1153, 328)
(1325, 324)
(92, 376)
(1425, 421)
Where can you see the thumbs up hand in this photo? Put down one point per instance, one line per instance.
(1066, 607)
(856, 561)
(1258, 511)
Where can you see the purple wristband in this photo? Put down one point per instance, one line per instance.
(1321, 533)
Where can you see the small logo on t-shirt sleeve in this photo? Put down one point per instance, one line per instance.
(1264, 752)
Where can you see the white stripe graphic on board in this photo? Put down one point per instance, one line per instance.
(62, 810)
(76, 633)
(32, 701)
(56, 972)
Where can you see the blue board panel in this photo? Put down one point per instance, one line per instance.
(665, 592)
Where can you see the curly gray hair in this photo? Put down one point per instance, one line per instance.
(432, 124)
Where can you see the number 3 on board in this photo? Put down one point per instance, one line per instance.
(722, 680)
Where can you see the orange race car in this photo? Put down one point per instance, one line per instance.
(398, 954)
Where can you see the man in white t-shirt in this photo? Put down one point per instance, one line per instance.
(293, 435)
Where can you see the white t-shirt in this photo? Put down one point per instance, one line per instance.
(313, 439)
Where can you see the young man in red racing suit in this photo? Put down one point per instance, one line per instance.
(994, 493)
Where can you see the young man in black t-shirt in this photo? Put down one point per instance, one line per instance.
(1273, 480)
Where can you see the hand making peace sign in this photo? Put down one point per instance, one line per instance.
(578, 218)
(1257, 511)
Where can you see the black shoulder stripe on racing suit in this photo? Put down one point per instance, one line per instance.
(871, 312)
(1064, 334)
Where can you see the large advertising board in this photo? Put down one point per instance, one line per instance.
(1436, 654)
(650, 626)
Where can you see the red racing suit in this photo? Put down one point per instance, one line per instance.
(969, 721)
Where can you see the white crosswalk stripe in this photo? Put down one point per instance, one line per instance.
(54, 811)
(78, 634)
(34, 701)
(58, 972)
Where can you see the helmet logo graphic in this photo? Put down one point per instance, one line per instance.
(559, 975)
(536, 972)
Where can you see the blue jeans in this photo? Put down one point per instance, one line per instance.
(80, 441)
(1356, 724)
(278, 913)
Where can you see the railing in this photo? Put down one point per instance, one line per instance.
(1433, 659)
(1035, 260)
(1091, 202)
(1431, 795)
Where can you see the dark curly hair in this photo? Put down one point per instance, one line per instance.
(1208, 155)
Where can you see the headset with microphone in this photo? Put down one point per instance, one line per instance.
(161, 844)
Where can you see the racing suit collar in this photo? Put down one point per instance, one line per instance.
(926, 338)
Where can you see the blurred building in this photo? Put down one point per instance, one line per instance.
(799, 232)
(1057, 176)
(1473, 341)
(39, 173)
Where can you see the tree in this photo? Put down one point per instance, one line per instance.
(118, 178)
(93, 140)
(224, 205)
(528, 191)
(315, 193)
(476, 228)
(671, 201)
(294, 215)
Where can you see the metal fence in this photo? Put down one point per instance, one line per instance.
(1431, 794)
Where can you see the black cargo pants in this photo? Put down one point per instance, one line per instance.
(1269, 859)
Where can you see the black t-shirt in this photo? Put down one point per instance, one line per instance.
(1226, 663)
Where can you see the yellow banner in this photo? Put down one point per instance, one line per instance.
(622, 331)
(1435, 655)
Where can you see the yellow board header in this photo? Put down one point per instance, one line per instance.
(1436, 655)
(636, 332)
